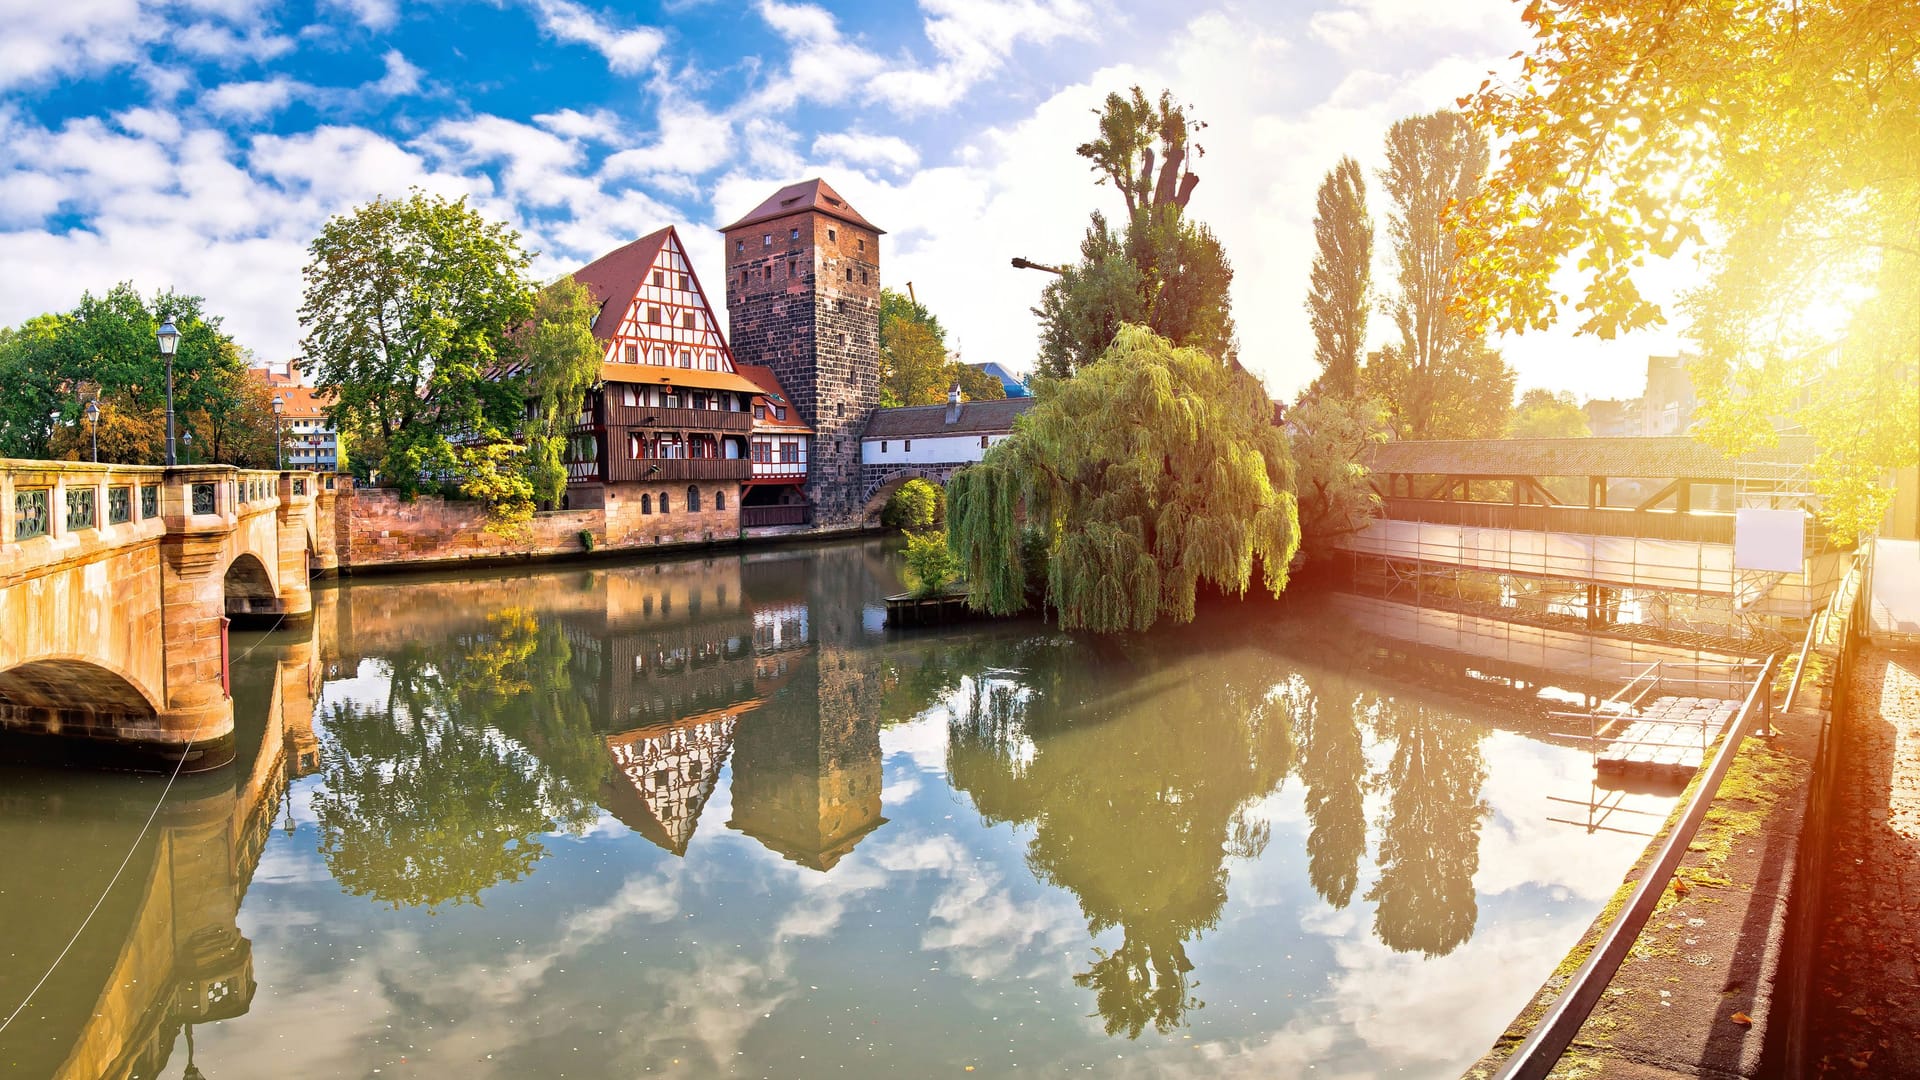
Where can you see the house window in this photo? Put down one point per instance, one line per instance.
(686, 358)
(983, 442)
(789, 452)
(628, 395)
(631, 354)
(635, 448)
(779, 412)
(907, 446)
(660, 357)
(659, 277)
(713, 364)
(663, 504)
(693, 499)
(683, 283)
(686, 320)
(646, 504)
(762, 452)
(759, 412)
(653, 314)
(719, 500)
(699, 400)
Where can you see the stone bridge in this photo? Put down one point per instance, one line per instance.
(879, 482)
(118, 582)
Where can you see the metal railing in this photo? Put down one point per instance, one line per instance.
(1699, 527)
(1537, 1055)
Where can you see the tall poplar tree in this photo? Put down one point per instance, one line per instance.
(1440, 380)
(1342, 277)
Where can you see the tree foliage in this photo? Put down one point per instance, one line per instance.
(915, 504)
(104, 350)
(1440, 380)
(408, 311)
(1342, 277)
(915, 366)
(1778, 138)
(931, 567)
(1160, 270)
(1543, 414)
(1150, 471)
(562, 360)
(1330, 437)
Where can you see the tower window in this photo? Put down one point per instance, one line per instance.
(766, 240)
(829, 234)
(863, 277)
(849, 273)
(743, 279)
(769, 271)
(793, 234)
(739, 247)
(862, 243)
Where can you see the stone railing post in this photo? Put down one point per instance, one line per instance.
(197, 503)
(294, 523)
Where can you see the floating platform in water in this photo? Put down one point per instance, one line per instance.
(1669, 736)
(909, 610)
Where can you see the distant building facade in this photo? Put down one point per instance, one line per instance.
(1666, 405)
(311, 440)
(1009, 382)
(933, 441)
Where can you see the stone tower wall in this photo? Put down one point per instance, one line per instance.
(808, 306)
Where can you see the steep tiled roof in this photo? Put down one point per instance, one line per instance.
(812, 194)
(1620, 456)
(615, 277)
(976, 418)
(770, 388)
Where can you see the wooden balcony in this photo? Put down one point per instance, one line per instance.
(717, 420)
(670, 470)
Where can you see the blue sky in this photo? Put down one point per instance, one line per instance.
(201, 144)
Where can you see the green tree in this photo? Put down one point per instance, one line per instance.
(562, 359)
(1792, 131)
(1440, 380)
(930, 566)
(1330, 439)
(1342, 278)
(916, 504)
(1148, 472)
(977, 385)
(1161, 270)
(32, 365)
(896, 305)
(1543, 414)
(913, 365)
(408, 310)
(1430, 831)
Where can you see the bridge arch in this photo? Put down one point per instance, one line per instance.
(76, 696)
(881, 485)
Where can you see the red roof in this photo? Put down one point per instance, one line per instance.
(769, 383)
(813, 195)
(615, 278)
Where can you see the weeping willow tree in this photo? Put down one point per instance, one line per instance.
(1149, 471)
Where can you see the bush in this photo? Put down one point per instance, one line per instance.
(917, 504)
(930, 566)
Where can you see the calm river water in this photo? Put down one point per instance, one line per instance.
(709, 817)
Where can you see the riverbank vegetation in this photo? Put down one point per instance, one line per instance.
(1779, 146)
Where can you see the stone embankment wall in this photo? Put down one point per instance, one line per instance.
(377, 529)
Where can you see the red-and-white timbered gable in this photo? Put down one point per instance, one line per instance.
(667, 321)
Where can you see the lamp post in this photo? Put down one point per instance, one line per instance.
(279, 406)
(93, 421)
(186, 441)
(169, 340)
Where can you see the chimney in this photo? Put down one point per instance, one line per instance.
(953, 404)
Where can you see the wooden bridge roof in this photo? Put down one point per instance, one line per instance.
(1636, 457)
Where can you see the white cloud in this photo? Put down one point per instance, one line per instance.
(44, 40)
(973, 39)
(227, 45)
(627, 51)
(250, 100)
(859, 148)
(372, 14)
(400, 78)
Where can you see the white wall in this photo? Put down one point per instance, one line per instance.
(937, 450)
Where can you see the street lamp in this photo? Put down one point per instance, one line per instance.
(279, 461)
(169, 340)
(186, 442)
(93, 420)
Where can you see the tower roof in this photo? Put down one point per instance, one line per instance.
(815, 195)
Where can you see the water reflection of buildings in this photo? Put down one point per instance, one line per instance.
(697, 664)
(165, 951)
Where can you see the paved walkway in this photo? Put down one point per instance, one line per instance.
(1866, 993)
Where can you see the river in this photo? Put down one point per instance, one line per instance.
(710, 817)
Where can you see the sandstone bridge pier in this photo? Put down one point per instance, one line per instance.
(117, 586)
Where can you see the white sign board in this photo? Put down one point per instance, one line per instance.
(1772, 540)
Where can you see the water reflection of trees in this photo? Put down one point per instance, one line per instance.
(436, 795)
(1140, 783)
(1136, 795)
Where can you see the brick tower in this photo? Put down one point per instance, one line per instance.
(803, 298)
